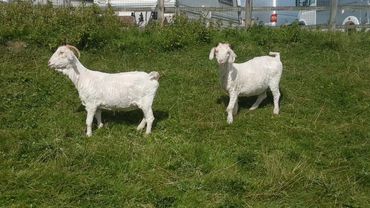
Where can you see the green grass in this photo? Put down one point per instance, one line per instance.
(314, 154)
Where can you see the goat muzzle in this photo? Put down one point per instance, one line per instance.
(50, 64)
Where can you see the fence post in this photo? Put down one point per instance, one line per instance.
(177, 9)
(333, 14)
(248, 13)
(161, 11)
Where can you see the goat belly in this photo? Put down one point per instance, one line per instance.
(252, 91)
(122, 99)
(253, 84)
(117, 108)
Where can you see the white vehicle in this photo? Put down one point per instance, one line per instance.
(308, 17)
(344, 16)
(275, 17)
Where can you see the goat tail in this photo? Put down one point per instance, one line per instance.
(276, 54)
(154, 75)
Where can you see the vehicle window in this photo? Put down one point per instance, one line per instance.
(302, 2)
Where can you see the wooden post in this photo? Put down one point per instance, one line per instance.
(161, 11)
(333, 14)
(248, 13)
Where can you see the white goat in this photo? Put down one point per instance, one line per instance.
(98, 90)
(249, 78)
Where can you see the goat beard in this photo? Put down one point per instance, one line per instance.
(61, 70)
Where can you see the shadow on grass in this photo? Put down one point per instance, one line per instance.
(247, 102)
(130, 117)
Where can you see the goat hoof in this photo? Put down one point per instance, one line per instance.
(139, 128)
(89, 134)
(252, 108)
(100, 126)
(229, 120)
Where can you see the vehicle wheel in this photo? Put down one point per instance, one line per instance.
(301, 23)
(350, 26)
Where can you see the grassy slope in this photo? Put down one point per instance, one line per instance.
(316, 153)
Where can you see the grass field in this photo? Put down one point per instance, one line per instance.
(314, 154)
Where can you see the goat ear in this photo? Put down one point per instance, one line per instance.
(70, 56)
(232, 56)
(212, 53)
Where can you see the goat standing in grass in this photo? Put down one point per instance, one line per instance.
(98, 90)
(249, 78)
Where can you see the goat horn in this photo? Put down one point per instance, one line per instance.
(75, 50)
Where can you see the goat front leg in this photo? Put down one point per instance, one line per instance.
(236, 107)
(98, 118)
(231, 106)
(89, 119)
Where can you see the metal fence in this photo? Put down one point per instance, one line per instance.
(239, 13)
(324, 13)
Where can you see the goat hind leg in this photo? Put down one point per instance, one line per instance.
(141, 125)
(98, 118)
(276, 94)
(149, 118)
(259, 100)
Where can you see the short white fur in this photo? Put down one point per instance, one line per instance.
(250, 78)
(98, 90)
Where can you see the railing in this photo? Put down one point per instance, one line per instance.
(234, 15)
(246, 13)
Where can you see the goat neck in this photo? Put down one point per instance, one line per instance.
(75, 70)
(227, 74)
